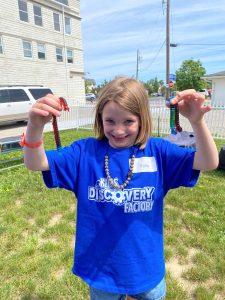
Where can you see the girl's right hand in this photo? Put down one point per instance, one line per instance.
(43, 109)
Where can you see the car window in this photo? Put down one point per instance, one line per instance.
(4, 96)
(18, 95)
(38, 93)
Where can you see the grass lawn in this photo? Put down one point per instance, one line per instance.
(37, 229)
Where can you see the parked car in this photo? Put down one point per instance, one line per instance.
(16, 101)
(90, 97)
(204, 92)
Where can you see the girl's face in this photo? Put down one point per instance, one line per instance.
(121, 127)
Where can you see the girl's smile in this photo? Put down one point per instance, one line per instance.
(121, 127)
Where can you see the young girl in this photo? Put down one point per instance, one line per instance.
(120, 179)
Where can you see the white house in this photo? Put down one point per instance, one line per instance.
(218, 87)
(90, 83)
(41, 44)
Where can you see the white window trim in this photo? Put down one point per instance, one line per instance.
(71, 57)
(24, 11)
(27, 57)
(37, 16)
(60, 20)
(41, 51)
(56, 54)
(70, 25)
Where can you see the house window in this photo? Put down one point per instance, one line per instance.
(69, 56)
(56, 18)
(23, 10)
(37, 15)
(63, 1)
(59, 54)
(41, 51)
(1, 45)
(27, 49)
(67, 21)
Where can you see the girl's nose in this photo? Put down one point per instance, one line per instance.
(119, 130)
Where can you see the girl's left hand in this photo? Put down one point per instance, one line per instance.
(191, 105)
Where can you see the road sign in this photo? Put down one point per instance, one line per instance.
(173, 77)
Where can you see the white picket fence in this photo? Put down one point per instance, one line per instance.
(83, 117)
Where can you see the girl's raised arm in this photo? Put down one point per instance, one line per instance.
(41, 112)
(191, 106)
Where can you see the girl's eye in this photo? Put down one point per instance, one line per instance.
(109, 121)
(129, 121)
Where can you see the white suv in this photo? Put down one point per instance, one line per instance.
(204, 92)
(16, 101)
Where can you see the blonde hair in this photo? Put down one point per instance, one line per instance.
(132, 96)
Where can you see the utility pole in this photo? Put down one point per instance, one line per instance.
(167, 49)
(137, 64)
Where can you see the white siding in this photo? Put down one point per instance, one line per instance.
(218, 93)
(64, 79)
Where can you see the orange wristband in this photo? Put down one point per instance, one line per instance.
(23, 143)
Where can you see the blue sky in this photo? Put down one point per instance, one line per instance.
(113, 31)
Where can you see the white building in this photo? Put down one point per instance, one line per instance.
(91, 84)
(218, 87)
(41, 44)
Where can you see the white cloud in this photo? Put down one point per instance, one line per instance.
(112, 33)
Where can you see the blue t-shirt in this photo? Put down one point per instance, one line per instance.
(119, 234)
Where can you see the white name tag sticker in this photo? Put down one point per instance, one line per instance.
(145, 164)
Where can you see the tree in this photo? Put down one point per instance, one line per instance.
(90, 85)
(153, 85)
(100, 86)
(87, 87)
(189, 75)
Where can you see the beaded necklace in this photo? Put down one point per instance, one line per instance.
(129, 175)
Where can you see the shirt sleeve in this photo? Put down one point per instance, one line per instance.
(178, 167)
(63, 167)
